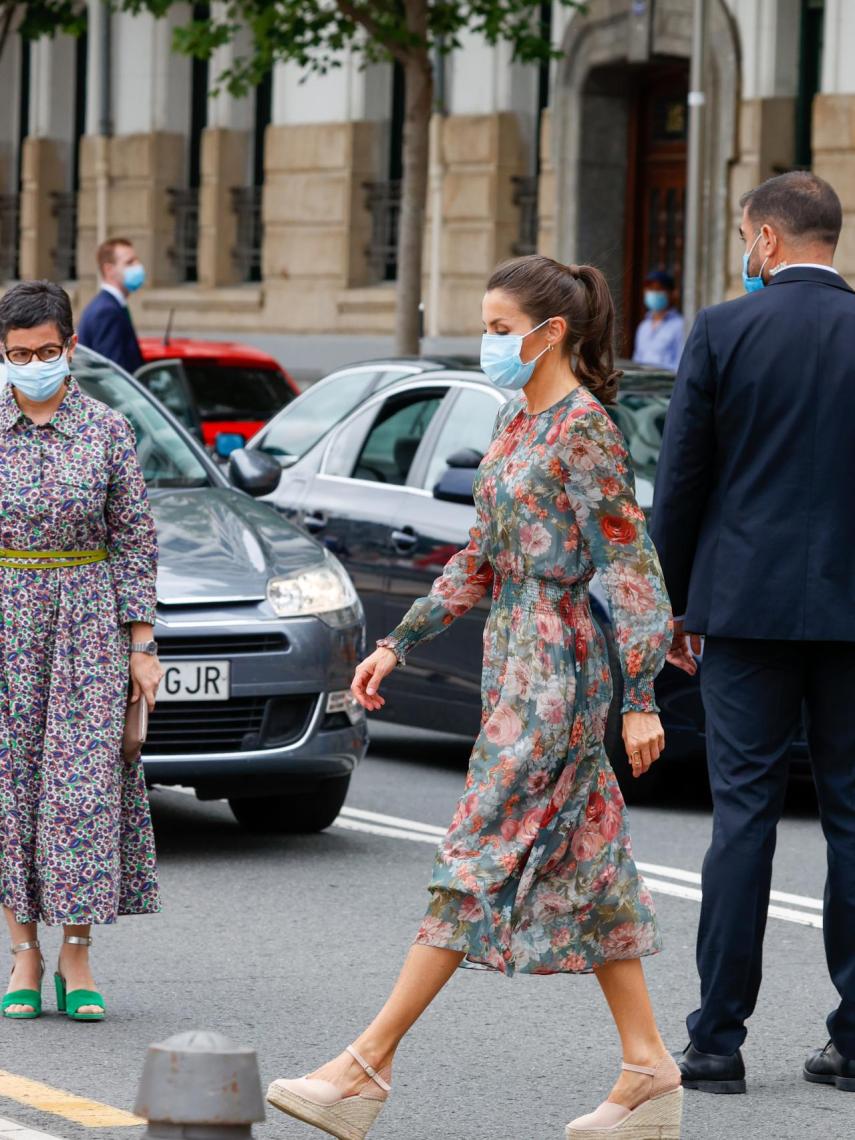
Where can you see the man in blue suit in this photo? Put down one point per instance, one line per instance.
(755, 528)
(106, 324)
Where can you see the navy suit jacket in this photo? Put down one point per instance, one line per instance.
(106, 327)
(754, 510)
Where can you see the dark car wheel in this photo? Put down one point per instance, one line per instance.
(292, 814)
(647, 788)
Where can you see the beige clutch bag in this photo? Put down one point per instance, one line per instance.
(136, 728)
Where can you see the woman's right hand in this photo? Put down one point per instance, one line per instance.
(369, 673)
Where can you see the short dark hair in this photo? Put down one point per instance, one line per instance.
(32, 303)
(803, 205)
(105, 254)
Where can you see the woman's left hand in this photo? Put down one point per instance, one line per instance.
(643, 738)
(146, 674)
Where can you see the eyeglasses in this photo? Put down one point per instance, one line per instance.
(47, 353)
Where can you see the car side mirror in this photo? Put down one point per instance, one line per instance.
(455, 486)
(465, 457)
(254, 472)
(226, 442)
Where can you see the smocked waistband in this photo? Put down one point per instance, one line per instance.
(531, 593)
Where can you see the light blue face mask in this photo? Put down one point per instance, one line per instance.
(38, 380)
(133, 277)
(655, 300)
(500, 358)
(752, 284)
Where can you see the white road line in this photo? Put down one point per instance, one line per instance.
(694, 877)
(396, 827)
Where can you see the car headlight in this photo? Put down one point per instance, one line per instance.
(324, 591)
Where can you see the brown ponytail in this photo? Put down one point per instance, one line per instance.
(580, 294)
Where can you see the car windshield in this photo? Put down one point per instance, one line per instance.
(640, 414)
(236, 391)
(167, 460)
(320, 408)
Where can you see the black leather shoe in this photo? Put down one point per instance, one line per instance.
(709, 1072)
(829, 1067)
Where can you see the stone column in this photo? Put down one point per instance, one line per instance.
(316, 226)
(481, 153)
(46, 153)
(834, 160)
(225, 162)
(146, 155)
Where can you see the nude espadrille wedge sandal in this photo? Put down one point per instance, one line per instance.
(657, 1118)
(321, 1104)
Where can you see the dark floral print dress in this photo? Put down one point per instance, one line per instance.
(536, 872)
(76, 842)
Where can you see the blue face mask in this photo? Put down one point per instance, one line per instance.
(500, 358)
(38, 380)
(133, 277)
(752, 284)
(655, 300)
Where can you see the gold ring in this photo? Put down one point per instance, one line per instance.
(636, 754)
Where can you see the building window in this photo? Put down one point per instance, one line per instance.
(247, 200)
(383, 198)
(810, 71)
(184, 201)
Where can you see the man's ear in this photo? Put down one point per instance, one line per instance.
(770, 240)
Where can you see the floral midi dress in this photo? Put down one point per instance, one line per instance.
(76, 841)
(536, 872)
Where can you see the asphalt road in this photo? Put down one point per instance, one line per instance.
(289, 945)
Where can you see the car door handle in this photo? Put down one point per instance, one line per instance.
(404, 541)
(314, 522)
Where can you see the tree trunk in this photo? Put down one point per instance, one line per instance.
(418, 101)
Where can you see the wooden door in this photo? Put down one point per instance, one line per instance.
(656, 189)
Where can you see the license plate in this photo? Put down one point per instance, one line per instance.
(195, 681)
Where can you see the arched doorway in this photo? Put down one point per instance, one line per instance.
(619, 135)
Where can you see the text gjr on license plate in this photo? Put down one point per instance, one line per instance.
(195, 681)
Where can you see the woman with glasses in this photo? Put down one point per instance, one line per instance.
(78, 559)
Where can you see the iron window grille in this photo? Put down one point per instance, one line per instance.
(184, 254)
(9, 236)
(246, 205)
(525, 198)
(383, 202)
(64, 209)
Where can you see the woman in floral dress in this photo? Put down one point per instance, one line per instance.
(78, 558)
(535, 874)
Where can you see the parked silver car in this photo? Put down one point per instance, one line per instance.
(259, 629)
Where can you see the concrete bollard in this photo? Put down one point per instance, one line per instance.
(200, 1086)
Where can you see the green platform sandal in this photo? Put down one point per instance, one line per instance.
(32, 998)
(70, 1001)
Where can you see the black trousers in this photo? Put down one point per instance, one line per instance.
(753, 693)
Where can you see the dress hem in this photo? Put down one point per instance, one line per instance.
(508, 969)
(78, 920)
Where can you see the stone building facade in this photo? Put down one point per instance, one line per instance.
(276, 213)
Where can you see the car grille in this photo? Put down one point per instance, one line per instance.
(194, 728)
(223, 645)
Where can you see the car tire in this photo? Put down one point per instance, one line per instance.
(294, 814)
(647, 788)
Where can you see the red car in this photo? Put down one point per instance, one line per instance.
(215, 387)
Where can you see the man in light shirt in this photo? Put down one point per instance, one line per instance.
(659, 337)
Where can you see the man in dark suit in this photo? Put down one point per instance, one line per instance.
(755, 528)
(106, 324)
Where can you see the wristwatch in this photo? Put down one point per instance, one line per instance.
(149, 647)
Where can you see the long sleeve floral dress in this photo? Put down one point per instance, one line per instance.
(536, 872)
(76, 842)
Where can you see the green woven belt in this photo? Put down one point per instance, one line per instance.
(49, 559)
